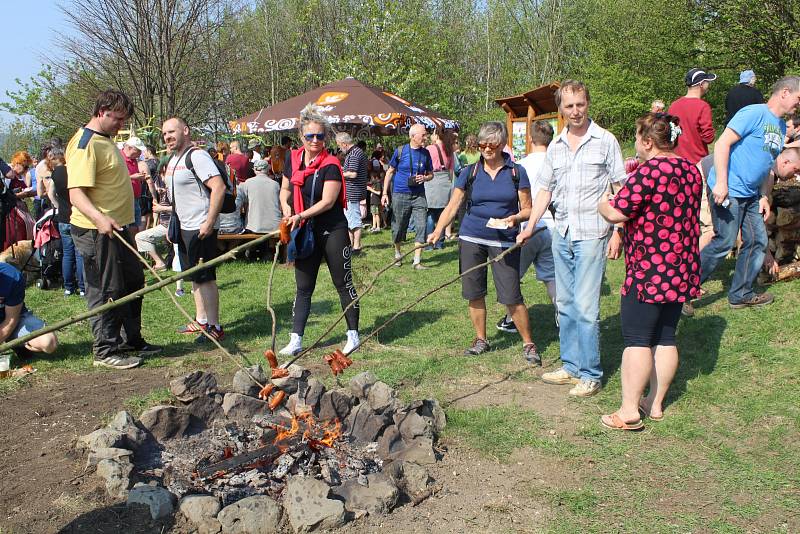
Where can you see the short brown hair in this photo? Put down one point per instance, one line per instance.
(573, 86)
(541, 133)
(659, 127)
(112, 100)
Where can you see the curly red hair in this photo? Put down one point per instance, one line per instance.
(22, 158)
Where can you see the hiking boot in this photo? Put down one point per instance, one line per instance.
(192, 328)
(507, 325)
(217, 333)
(687, 309)
(144, 348)
(756, 301)
(559, 377)
(118, 362)
(419, 267)
(479, 346)
(295, 345)
(585, 388)
(531, 355)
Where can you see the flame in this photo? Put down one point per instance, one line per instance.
(317, 435)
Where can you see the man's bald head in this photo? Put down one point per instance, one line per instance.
(788, 163)
(416, 135)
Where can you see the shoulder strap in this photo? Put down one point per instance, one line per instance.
(441, 157)
(190, 165)
(473, 171)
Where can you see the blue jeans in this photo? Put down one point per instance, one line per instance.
(71, 260)
(433, 220)
(579, 266)
(742, 213)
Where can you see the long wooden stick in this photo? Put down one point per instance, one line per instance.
(231, 254)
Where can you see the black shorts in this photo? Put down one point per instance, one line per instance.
(505, 273)
(193, 250)
(648, 325)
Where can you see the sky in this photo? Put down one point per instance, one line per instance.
(29, 28)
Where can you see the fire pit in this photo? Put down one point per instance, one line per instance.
(324, 458)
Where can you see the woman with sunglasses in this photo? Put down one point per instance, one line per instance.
(660, 206)
(308, 169)
(498, 197)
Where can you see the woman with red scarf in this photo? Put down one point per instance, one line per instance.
(313, 168)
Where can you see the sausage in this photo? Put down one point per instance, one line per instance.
(280, 372)
(265, 392)
(285, 233)
(276, 400)
(271, 358)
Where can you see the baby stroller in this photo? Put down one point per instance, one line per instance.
(47, 242)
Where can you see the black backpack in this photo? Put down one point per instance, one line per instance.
(473, 171)
(229, 202)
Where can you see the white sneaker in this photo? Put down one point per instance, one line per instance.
(585, 388)
(295, 345)
(352, 341)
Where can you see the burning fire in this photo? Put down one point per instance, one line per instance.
(317, 435)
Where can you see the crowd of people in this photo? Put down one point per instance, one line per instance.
(674, 212)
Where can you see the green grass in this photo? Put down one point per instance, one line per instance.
(156, 397)
(725, 459)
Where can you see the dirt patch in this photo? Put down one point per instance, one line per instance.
(40, 476)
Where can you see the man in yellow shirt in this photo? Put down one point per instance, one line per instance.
(102, 201)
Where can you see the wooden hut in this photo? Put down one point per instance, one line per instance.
(522, 110)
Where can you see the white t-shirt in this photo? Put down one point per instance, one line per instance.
(256, 157)
(532, 163)
(191, 199)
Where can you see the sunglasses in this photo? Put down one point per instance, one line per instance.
(311, 136)
(490, 146)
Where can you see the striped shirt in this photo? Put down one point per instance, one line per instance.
(578, 180)
(356, 160)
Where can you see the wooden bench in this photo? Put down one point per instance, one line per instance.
(229, 241)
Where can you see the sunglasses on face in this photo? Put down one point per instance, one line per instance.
(311, 136)
(490, 146)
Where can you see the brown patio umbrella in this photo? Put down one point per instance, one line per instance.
(350, 105)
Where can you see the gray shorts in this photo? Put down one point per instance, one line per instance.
(538, 251)
(404, 207)
(505, 273)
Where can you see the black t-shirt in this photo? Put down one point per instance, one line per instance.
(64, 208)
(739, 96)
(334, 218)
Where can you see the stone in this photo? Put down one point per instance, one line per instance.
(116, 474)
(308, 506)
(335, 404)
(133, 436)
(242, 407)
(430, 408)
(244, 385)
(389, 442)
(102, 438)
(204, 410)
(165, 422)
(198, 508)
(209, 526)
(419, 450)
(379, 496)
(289, 383)
(192, 386)
(109, 453)
(365, 425)
(160, 501)
(258, 514)
(382, 398)
(314, 392)
(361, 383)
(412, 425)
(411, 479)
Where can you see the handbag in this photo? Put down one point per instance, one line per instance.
(301, 241)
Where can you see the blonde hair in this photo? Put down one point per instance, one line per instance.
(312, 113)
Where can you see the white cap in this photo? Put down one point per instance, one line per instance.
(136, 143)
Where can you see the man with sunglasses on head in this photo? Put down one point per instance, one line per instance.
(582, 163)
(411, 166)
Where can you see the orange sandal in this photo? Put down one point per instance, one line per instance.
(615, 422)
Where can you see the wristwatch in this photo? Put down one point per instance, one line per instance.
(619, 229)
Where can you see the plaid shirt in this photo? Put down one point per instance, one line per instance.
(578, 180)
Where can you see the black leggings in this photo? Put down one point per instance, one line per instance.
(648, 325)
(335, 248)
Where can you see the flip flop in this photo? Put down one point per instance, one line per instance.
(644, 414)
(618, 424)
